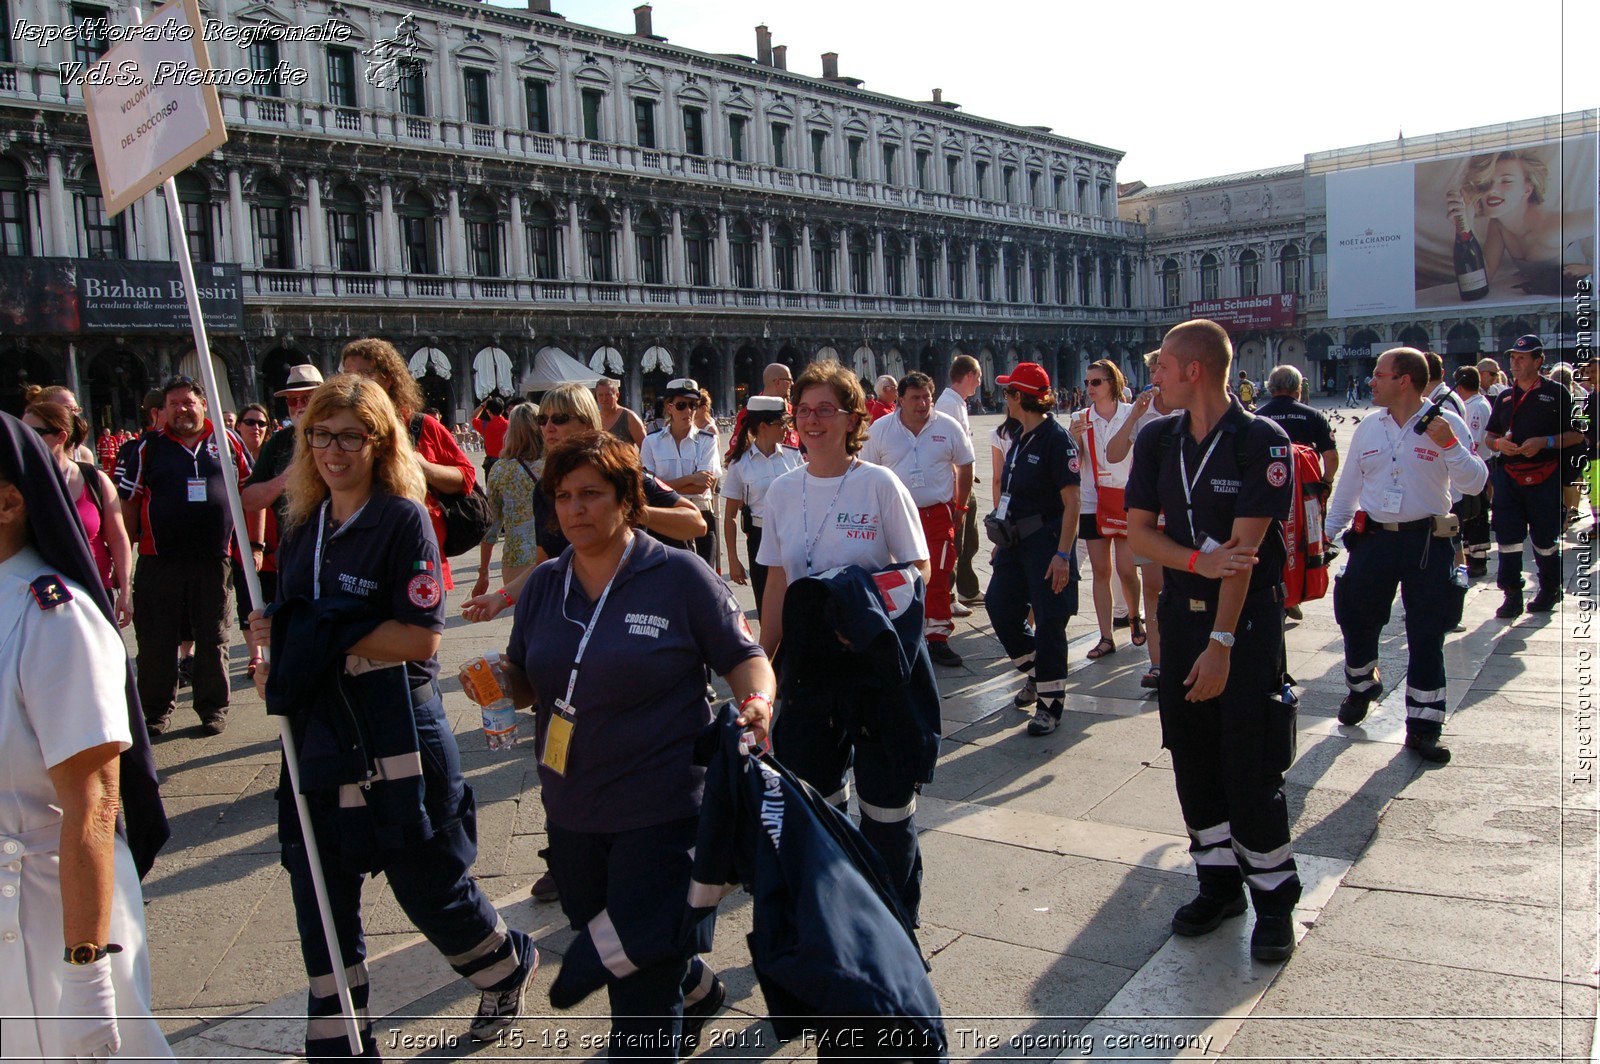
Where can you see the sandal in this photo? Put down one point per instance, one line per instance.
(1104, 648)
(1137, 623)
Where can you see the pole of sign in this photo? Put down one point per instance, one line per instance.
(179, 239)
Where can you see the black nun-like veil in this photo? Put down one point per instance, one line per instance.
(58, 536)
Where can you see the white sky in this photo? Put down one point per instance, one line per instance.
(1187, 90)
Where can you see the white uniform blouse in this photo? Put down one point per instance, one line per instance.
(670, 459)
(750, 475)
(62, 675)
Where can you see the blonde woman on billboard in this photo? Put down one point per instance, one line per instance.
(1502, 196)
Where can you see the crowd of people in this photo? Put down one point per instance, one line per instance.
(860, 523)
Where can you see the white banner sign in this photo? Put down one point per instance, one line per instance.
(1499, 228)
(152, 105)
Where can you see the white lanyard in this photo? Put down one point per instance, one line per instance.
(565, 704)
(1189, 485)
(805, 520)
(1011, 458)
(322, 525)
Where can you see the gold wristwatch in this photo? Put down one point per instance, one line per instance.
(88, 952)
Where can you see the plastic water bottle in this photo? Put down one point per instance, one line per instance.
(1460, 577)
(485, 680)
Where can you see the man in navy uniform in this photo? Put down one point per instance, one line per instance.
(1532, 421)
(1225, 482)
(1395, 497)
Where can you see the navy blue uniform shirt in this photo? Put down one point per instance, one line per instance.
(641, 693)
(1545, 410)
(1304, 424)
(386, 553)
(1037, 467)
(158, 471)
(1261, 486)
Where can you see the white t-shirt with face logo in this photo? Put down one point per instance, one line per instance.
(871, 522)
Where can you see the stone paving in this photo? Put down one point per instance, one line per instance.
(1449, 913)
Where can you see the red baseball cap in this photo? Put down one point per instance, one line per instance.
(1029, 377)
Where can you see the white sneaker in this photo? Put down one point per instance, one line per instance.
(959, 610)
(1043, 723)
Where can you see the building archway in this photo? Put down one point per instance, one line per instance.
(749, 362)
(273, 370)
(1509, 331)
(19, 368)
(114, 385)
(1416, 336)
(894, 363)
(1462, 339)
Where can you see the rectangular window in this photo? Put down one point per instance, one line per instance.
(13, 222)
(890, 156)
(483, 249)
(697, 257)
(93, 41)
(952, 174)
(736, 146)
(860, 270)
(780, 144)
(419, 249)
(1083, 194)
(1033, 187)
(197, 224)
(538, 97)
(1008, 179)
(922, 171)
(545, 251)
(413, 88)
(819, 152)
(957, 273)
(5, 34)
(644, 123)
(342, 77)
(263, 59)
(272, 238)
(1059, 192)
(475, 84)
(349, 250)
(694, 131)
(981, 179)
(592, 100)
(854, 146)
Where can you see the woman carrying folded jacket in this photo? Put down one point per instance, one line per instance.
(357, 539)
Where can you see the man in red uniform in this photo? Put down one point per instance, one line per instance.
(886, 399)
(491, 422)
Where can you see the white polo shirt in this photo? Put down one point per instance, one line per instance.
(752, 473)
(671, 459)
(925, 461)
(951, 403)
(1109, 474)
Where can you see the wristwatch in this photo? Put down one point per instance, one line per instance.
(88, 953)
(1225, 638)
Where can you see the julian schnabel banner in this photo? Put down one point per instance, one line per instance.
(1495, 228)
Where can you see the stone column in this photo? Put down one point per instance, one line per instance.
(455, 257)
(724, 275)
(578, 262)
(766, 253)
(317, 224)
(725, 370)
(1025, 284)
(941, 283)
(388, 230)
(58, 207)
(243, 247)
(880, 280)
(1050, 279)
(630, 253)
(972, 270)
(675, 256)
(516, 238)
(807, 284)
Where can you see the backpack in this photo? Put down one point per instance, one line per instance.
(466, 514)
(1305, 566)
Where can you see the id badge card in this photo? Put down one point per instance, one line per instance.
(915, 479)
(558, 742)
(197, 489)
(1003, 507)
(1393, 498)
(1207, 545)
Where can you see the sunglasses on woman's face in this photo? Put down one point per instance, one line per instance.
(41, 430)
(552, 419)
(1094, 382)
(254, 422)
(685, 404)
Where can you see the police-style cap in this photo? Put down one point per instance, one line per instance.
(1527, 345)
(766, 404)
(1028, 377)
(683, 386)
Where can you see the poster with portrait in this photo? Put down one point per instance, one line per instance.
(1493, 228)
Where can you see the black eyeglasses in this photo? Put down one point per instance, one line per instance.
(320, 439)
(685, 404)
(552, 419)
(254, 421)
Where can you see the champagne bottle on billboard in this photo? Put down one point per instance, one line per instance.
(1471, 277)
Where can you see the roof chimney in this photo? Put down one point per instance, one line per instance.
(539, 7)
(780, 56)
(763, 45)
(938, 96)
(830, 65)
(641, 21)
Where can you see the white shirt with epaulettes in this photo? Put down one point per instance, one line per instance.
(1396, 475)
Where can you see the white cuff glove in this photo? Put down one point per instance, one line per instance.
(88, 1021)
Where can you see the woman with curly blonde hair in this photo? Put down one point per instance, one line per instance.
(355, 529)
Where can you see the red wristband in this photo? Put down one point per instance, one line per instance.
(507, 596)
(1452, 443)
(1192, 559)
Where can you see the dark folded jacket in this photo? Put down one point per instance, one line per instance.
(355, 735)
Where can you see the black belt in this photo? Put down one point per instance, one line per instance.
(1274, 592)
(1420, 524)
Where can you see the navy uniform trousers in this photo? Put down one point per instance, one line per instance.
(1421, 565)
(628, 886)
(431, 880)
(1523, 512)
(1018, 582)
(1229, 753)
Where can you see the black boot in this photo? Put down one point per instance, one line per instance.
(1546, 599)
(1273, 938)
(1353, 710)
(1427, 747)
(1512, 606)
(1205, 914)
